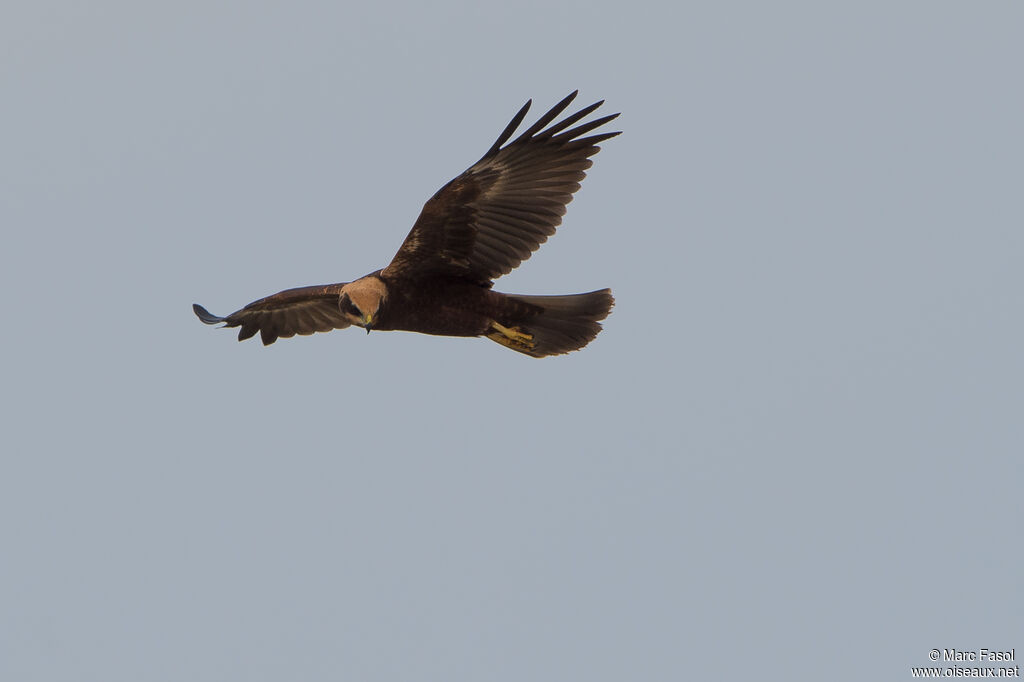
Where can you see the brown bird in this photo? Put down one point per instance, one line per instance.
(476, 228)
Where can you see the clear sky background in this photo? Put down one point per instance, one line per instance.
(794, 452)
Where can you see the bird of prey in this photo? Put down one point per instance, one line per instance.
(476, 228)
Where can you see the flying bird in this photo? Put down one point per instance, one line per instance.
(475, 229)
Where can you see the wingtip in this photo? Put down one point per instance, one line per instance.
(205, 315)
(566, 100)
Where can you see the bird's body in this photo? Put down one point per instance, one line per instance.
(445, 307)
(478, 227)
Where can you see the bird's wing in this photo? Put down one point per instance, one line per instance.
(491, 218)
(294, 311)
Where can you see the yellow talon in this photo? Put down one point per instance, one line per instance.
(510, 337)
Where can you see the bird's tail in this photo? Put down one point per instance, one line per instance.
(563, 323)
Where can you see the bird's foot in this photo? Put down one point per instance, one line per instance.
(511, 337)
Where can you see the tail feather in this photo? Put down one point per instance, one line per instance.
(566, 323)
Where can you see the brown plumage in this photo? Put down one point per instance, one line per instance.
(478, 227)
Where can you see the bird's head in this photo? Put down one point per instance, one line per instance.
(361, 301)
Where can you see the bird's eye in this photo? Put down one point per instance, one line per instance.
(347, 306)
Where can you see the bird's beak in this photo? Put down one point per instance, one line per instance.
(368, 322)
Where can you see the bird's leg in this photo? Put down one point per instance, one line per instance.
(510, 337)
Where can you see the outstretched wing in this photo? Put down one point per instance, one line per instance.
(491, 218)
(294, 311)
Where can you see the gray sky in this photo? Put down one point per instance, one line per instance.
(795, 450)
